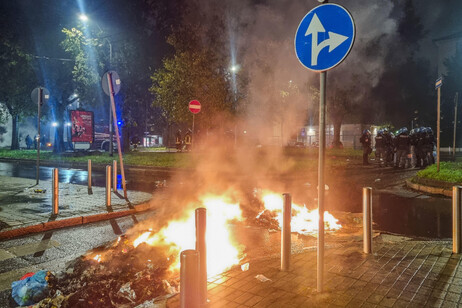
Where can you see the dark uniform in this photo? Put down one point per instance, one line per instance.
(178, 141)
(429, 143)
(188, 140)
(380, 152)
(366, 142)
(402, 142)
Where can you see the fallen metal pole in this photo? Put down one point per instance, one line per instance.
(201, 247)
(285, 234)
(108, 185)
(55, 191)
(456, 213)
(89, 176)
(114, 175)
(367, 219)
(189, 279)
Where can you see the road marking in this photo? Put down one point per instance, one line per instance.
(5, 255)
(27, 249)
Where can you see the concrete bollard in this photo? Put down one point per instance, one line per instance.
(189, 279)
(55, 191)
(367, 219)
(108, 185)
(456, 213)
(285, 234)
(201, 247)
(89, 176)
(114, 175)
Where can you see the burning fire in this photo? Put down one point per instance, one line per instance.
(303, 220)
(97, 258)
(179, 235)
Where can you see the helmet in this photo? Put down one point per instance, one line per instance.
(366, 132)
(385, 130)
(404, 130)
(429, 130)
(380, 132)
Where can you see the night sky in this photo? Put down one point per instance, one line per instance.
(393, 52)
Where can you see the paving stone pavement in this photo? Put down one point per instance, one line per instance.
(20, 206)
(407, 273)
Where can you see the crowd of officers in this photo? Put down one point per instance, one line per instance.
(406, 149)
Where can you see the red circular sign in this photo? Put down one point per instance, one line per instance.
(194, 106)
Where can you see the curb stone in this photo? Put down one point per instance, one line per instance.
(429, 189)
(70, 222)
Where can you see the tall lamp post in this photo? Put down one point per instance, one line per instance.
(85, 18)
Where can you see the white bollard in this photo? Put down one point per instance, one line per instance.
(114, 175)
(108, 185)
(367, 219)
(89, 176)
(456, 213)
(285, 232)
(55, 191)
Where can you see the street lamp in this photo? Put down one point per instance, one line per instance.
(85, 18)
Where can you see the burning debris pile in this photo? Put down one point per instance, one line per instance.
(115, 275)
(143, 264)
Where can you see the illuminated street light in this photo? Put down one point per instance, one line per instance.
(234, 68)
(68, 124)
(54, 124)
(83, 17)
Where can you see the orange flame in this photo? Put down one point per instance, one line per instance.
(179, 235)
(303, 220)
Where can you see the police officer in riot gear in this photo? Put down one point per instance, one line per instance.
(178, 141)
(380, 152)
(366, 142)
(402, 143)
(429, 143)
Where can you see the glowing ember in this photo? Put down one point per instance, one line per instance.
(97, 258)
(303, 221)
(180, 235)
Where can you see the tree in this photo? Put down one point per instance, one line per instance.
(17, 80)
(191, 73)
(87, 68)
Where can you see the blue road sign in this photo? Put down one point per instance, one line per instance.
(328, 25)
(439, 82)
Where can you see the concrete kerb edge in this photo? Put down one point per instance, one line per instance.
(70, 222)
(429, 189)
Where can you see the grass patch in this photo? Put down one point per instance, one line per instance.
(293, 159)
(449, 172)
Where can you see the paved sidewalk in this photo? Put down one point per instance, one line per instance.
(400, 273)
(23, 210)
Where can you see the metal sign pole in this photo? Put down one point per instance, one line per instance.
(114, 117)
(438, 128)
(455, 126)
(39, 104)
(322, 154)
(192, 133)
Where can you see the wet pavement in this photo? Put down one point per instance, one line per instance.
(25, 204)
(400, 273)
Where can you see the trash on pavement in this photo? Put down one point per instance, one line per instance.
(245, 267)
(127, 292)
(31, 289)
(377, 180)
(40, 191)
(262, 278)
